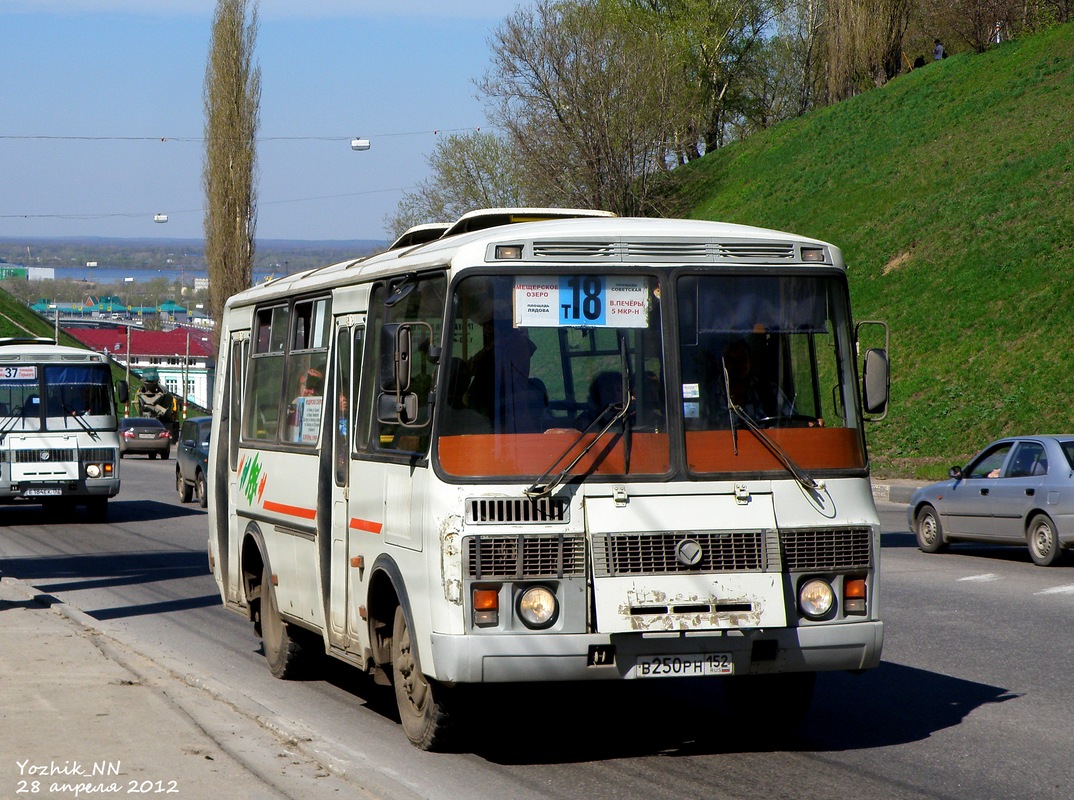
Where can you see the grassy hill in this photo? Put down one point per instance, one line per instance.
(951, 192)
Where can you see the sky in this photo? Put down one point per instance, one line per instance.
(102, 116)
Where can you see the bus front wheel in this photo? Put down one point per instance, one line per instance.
(422, 710)
(282, 651)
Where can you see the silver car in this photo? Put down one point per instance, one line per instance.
(1016, 491)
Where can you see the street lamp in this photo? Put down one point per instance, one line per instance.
(359, 144)
(56, 326)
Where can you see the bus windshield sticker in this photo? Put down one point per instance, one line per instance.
(20, 373)
(585, 301)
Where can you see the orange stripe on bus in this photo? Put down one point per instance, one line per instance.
(365, 525)
(291, 511)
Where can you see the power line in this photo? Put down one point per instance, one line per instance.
(201, 139)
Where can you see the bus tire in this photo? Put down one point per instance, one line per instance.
(422, 711)
(1043, 541)
(283, 652)
(929, 531)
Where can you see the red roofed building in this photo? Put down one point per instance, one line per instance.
(179, 354)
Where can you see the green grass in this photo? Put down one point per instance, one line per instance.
(950, 192)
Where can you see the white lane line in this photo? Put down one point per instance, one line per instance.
(1069, 589)
(983, 578)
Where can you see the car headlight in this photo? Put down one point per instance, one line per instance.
(816, 598)
(93, 470)
(537, 607)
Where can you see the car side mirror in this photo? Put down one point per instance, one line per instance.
(955, 472)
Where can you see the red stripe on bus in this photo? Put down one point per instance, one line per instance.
(366, 525)
(292, 511)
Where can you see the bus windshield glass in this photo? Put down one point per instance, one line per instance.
(538, 366)
(779, 347)
(537, 369)
(56, 396)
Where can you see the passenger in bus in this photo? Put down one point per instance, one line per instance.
(751, 392)
(502, 388)
(458, 417)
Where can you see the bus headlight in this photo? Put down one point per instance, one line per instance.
(93, 470)
(816, 598)
(537, 607)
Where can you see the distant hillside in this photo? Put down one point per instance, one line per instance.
(951, 193)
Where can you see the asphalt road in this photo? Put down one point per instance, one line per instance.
(971, 700)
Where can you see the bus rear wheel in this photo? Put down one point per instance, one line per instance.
(422, 710)
(283, 652)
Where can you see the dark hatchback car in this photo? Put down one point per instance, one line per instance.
(1018, 490)
(191, 460)
(144, 435)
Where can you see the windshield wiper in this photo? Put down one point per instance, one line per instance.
(807, 481)
(623, 409)
(70, 412)
(538, 489)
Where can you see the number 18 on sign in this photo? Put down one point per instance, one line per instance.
(598, 301)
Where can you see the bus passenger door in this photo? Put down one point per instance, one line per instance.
(342, 616)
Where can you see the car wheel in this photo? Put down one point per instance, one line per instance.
(181, 486)
(166, 454)
(1043, 541)
(201, 490)
(929, 531)
(151, 456)
(421, 702)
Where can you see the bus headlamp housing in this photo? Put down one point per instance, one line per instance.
(816, 598)
(538, 607)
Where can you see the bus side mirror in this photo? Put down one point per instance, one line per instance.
(395, 404)
(876, 382)
(122, 392)
(394, 368)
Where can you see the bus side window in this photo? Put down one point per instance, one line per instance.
(423, 303)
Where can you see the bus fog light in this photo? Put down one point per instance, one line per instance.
(816, 598)
(537, 607)
(93, 470)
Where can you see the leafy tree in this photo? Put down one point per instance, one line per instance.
(232, 98)
(468, 171)
(864, 44)
(589, 102)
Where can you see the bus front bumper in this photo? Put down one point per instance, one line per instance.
(579, 657)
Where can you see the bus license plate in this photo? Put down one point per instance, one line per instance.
(684, 666)
(47, 491)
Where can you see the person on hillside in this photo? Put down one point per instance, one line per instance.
(937, 50)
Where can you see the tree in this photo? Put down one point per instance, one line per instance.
(864, 44)
(716, 45)
(232, 98)
(589, 103)
(468, 171)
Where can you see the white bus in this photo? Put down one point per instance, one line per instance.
(575, 449)
(59, 440)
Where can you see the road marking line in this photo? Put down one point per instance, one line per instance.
(987, 576)
(1069, 589)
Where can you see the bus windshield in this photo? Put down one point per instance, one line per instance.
(56, 396)
(538, 366)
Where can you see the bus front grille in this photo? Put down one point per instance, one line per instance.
(662, 552)
(35, 455)
(524, 556)
(827, 549)
(498, 510)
